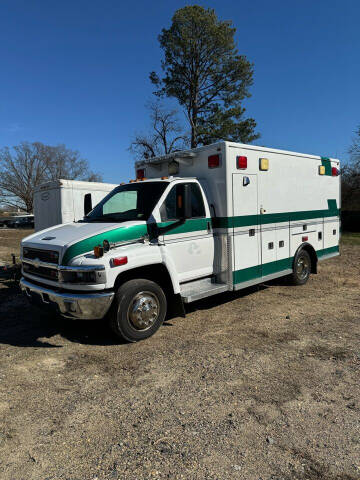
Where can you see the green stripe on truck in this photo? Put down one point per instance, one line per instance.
(263, 219)
(259, 271)
(132, 232)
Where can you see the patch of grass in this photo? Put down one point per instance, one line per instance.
(350, 238)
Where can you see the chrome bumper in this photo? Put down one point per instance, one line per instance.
(71, 305)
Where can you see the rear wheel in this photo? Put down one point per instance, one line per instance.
(302, 268)
(139, 310)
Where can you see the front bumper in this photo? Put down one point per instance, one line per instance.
(71, 305)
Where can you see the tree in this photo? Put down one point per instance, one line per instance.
(27, 165)
(351, 177)
(205, 73)
(166, 134)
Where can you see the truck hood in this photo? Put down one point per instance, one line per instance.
(73, 239)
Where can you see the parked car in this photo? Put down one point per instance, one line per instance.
(20, 222)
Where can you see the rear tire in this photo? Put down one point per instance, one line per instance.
(138, 310)
(301, 269)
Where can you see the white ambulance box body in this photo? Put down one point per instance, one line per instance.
(62, 201)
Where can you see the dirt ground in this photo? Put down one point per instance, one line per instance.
(258, 385)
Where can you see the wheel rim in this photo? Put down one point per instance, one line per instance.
(143, 310)
(302, 267)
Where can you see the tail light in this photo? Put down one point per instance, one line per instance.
(334, 172)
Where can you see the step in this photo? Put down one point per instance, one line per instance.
(203, 288)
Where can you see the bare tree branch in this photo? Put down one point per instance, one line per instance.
(166, 134)
(27, 165)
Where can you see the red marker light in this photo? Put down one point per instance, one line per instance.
(118, 261)
(305, 239)
(140, 173)
(241, 163)
(214, 161)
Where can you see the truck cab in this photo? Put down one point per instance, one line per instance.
(192, 224)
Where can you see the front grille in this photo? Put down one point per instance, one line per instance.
(43, 272)
(48, 256)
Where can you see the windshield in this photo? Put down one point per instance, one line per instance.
(134, 201)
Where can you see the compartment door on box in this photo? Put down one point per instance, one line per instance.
(246, 242)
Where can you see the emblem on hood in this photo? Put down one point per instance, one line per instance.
(36, 262)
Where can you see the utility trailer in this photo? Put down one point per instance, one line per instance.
(64, 201)
(193, 224)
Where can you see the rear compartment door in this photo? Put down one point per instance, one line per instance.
(246, 239)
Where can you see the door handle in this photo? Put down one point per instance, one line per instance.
(262, 211)
(209, 227)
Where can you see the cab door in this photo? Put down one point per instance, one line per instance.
(190, 245)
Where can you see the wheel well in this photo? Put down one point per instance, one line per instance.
(157, 273)
(313, 257)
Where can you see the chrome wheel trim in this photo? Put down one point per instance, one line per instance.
(302, 267)
(144, 310)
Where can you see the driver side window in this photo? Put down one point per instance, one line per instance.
(168, 208)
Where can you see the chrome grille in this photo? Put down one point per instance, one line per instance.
(47, 256)
(44, 272)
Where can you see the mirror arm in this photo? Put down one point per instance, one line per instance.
(155, 231)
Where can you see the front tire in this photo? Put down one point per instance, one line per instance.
(302, 268)
(139, 310)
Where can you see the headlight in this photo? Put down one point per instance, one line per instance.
(89, 277)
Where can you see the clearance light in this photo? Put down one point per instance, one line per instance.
(132, 181)
(334, 172)
(264, 164)
(241, 163)
(98, 251)
(118, 261)
(164, 178)
(321, 169)
(214, 161)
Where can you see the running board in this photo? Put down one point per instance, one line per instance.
(198, 289)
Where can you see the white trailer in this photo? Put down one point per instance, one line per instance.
(194, 223)
(64, 201)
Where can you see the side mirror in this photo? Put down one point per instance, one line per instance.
(87, 203)
(183, 201)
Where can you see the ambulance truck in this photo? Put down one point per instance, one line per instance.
(192, 224)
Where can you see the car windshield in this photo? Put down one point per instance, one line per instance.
(134, 201)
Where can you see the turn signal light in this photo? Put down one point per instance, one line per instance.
(214, 161)
(321, 169)
(118, 261)
(241, 163)
(98, 251)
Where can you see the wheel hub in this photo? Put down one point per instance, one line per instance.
(302, 267)
(143, 310)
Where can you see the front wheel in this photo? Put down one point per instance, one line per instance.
(139, 310)
(302, 268)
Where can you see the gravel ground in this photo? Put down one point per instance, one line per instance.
(262, 384)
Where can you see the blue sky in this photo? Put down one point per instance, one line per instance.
(76, 72)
